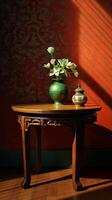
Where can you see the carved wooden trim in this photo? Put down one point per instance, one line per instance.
(53, 123)
(28, 121)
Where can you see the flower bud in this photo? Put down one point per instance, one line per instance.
(51, 50)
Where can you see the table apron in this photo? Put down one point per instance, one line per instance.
(54, 121)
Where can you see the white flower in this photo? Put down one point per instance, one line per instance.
(60, 68)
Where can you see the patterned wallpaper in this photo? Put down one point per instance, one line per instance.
(27, 28)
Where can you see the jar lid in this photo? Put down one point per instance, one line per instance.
(79, 89)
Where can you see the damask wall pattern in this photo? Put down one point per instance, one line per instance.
(28, 27)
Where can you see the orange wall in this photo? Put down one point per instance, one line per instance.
(80, 30)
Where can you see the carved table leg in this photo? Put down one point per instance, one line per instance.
(26, 153)
(77, 155)
(38, 148)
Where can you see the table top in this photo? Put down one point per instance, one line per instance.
(54, 109)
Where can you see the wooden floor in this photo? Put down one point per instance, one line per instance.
(56, 184)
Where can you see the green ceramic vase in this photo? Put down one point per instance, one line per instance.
(58, 91)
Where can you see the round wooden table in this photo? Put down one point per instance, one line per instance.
(41, 115)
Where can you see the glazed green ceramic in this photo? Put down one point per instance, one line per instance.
(58, 92)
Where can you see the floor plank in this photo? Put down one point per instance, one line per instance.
(54, 185)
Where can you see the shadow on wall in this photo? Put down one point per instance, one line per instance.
(24, 38)
(24, 35)
(100, 137)
(10, 135)
(106, 6)
(96, 87)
